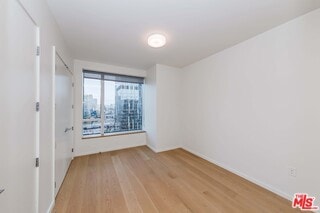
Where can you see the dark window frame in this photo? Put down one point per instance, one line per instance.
(124, 81)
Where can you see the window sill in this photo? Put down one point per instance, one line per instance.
(114, 134)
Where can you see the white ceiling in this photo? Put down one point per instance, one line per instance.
(115, 31)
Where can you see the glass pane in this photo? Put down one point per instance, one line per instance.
(91, 128)
(91, 98)
(123, 106)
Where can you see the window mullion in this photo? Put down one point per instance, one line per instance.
(102, 106)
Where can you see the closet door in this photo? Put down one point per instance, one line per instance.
(63, 121)
(19, 119)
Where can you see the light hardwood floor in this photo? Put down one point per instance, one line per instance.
(139, 180)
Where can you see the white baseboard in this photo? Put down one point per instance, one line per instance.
(168, 149)
(107, 150)
(152, 148)
(162, 150)
(51, 207)
(251, 179)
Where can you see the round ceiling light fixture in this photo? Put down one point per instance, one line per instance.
(156, 40)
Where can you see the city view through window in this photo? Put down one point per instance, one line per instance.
(116, 105)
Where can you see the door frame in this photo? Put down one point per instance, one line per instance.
(55, 55)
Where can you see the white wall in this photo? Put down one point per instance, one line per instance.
(255, 107)
(162, 120)
(168, 107)
(49, 36)
(150, 108)
(102, 144)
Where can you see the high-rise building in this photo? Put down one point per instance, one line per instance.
(90, 107)
(128, 108)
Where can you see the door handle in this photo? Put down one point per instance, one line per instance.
(1, 190)
(68, 129)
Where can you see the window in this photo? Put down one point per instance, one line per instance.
(111, 103)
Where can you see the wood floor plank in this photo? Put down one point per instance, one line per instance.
(161, 194)
(129, 195)
(113, 196)
(139, 180)
(142, 195)
(221, 195)
(79, 187)
(64, 195)
(247, 190)
(205, 190)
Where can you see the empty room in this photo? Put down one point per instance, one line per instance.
(159, 106)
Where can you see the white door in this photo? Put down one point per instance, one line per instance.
(18, 121)
(63, 121)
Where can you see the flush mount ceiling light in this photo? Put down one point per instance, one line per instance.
(156, 40)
